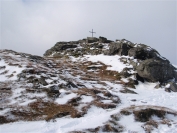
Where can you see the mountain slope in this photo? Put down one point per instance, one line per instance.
(93, 86)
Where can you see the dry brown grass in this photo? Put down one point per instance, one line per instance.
(101, 72)
(145, 113)
(41, 110)
(97, 99)
(4, 120)
(74, 101)
(5, 94)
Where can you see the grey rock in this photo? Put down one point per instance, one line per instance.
(135, 82)
(173, 86)
(125, 90)
(2, 67)
(35, 58)
(157, 86)
(118, 48)
(139, 78)
(92, 39)
(154, 70)
(42, 81)
(133, 63)
(124, 60)
(96, 45)
(167, 90)
(73, 42)
(82, 41)
(21, 76)
(59, 47)
(54, 89)
(48, 52)
(71, 84)
(125, 72)
(175, 76)
(102, 39)
(29, 71)
(143, 52)
(66, 46)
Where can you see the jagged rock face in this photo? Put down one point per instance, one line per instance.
(60, 46)
(156, 70)
(104, 40)
(119, 48)
(143, 53)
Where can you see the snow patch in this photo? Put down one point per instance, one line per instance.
(64, 99)
(87, 99)
(112, 61)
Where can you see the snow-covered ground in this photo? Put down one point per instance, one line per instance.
(95, 116)
(146, 95)
(113, 62)
(10, 70)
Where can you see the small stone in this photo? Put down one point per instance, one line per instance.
(157, 86)
(167, 90)
(54, 89)
(173, 86)
(125, 90)
(133, 100)
(42, 81)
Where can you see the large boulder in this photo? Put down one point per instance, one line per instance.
(119, 48)
(104, 40)
(156, 70)
(143, 52)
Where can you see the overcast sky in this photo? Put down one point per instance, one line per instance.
(33, 26)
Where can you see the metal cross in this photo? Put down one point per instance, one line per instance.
(92, 32)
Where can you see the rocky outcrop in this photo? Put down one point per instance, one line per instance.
(92, 39)
(104, 40)
(143, 53)
(60, 46)
(148, 63)
(90, 45)
(120, 48)
(156, 70)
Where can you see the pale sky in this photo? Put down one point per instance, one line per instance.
(33, 26)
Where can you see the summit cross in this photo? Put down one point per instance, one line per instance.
(92, 32)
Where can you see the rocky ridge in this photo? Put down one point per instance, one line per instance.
(148, 63)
